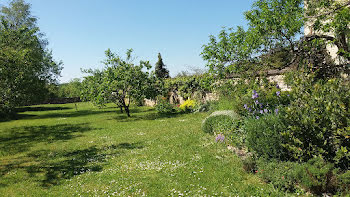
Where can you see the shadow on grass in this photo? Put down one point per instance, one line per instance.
(58, 112)
(70, 114)
(73, 114)
(50, 168)
(21, 139)
(142, 116)
(33, 108)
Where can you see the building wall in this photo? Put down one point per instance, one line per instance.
(308, 30)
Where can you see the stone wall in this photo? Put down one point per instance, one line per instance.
(174, 98)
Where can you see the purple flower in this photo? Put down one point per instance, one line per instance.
(257, 117)
(249, 109)
(257, 102)
(265, 110)
(220, 138)
(276, 111)
(261, 111)
(255, 95)
(277, 86)
(278, 93)
(245, 106)
(261, 105)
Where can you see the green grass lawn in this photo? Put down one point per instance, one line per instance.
(56, 150)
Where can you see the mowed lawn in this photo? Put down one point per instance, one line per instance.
(61, 150)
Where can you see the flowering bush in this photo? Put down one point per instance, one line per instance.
(188, 105)
(263, 136)
(267, 102)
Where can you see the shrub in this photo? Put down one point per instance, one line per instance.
(319, 121)
(249, 164)
(206, 106)
(238, 96)
(317, 176)
(263, 135)
(282, 175)
(164, 107)
(188, 106)
(220, 121)
(344, 182)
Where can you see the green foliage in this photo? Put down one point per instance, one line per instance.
(331, 18)
(160, 70)
(26, 66)
(70, 89)
(207, 106)
(121, 82)
(22, 53)
(317, 175)
(250, 164)
(236, 94)
(344, 182)
(318, 119)
(187, 86)
(220, 122)
(18, 15)
(274, 26)
(264, 136)
(282, 175)
(163, 106)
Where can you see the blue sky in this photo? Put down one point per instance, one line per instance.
(79, 31)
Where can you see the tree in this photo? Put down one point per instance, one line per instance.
(26, 66)
(274, 39)
(121, 82)
(18, 15)
(71, 89)
(330, 21)
(274, 25)
(160, 70)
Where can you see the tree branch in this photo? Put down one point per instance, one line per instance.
(330, 12)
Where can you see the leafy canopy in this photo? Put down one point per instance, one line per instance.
(26, 66)
(121, 82)
(273, 25)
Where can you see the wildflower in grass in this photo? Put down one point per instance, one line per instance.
(245, 106)
(276, 111)
(261, 112)
(257, 102)
(257, 117)
(220, 138)
(266, 110)
(255, 95)
(277, 86)
(278, 93)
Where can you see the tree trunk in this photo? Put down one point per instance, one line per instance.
(121, 109)
(127, 110)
